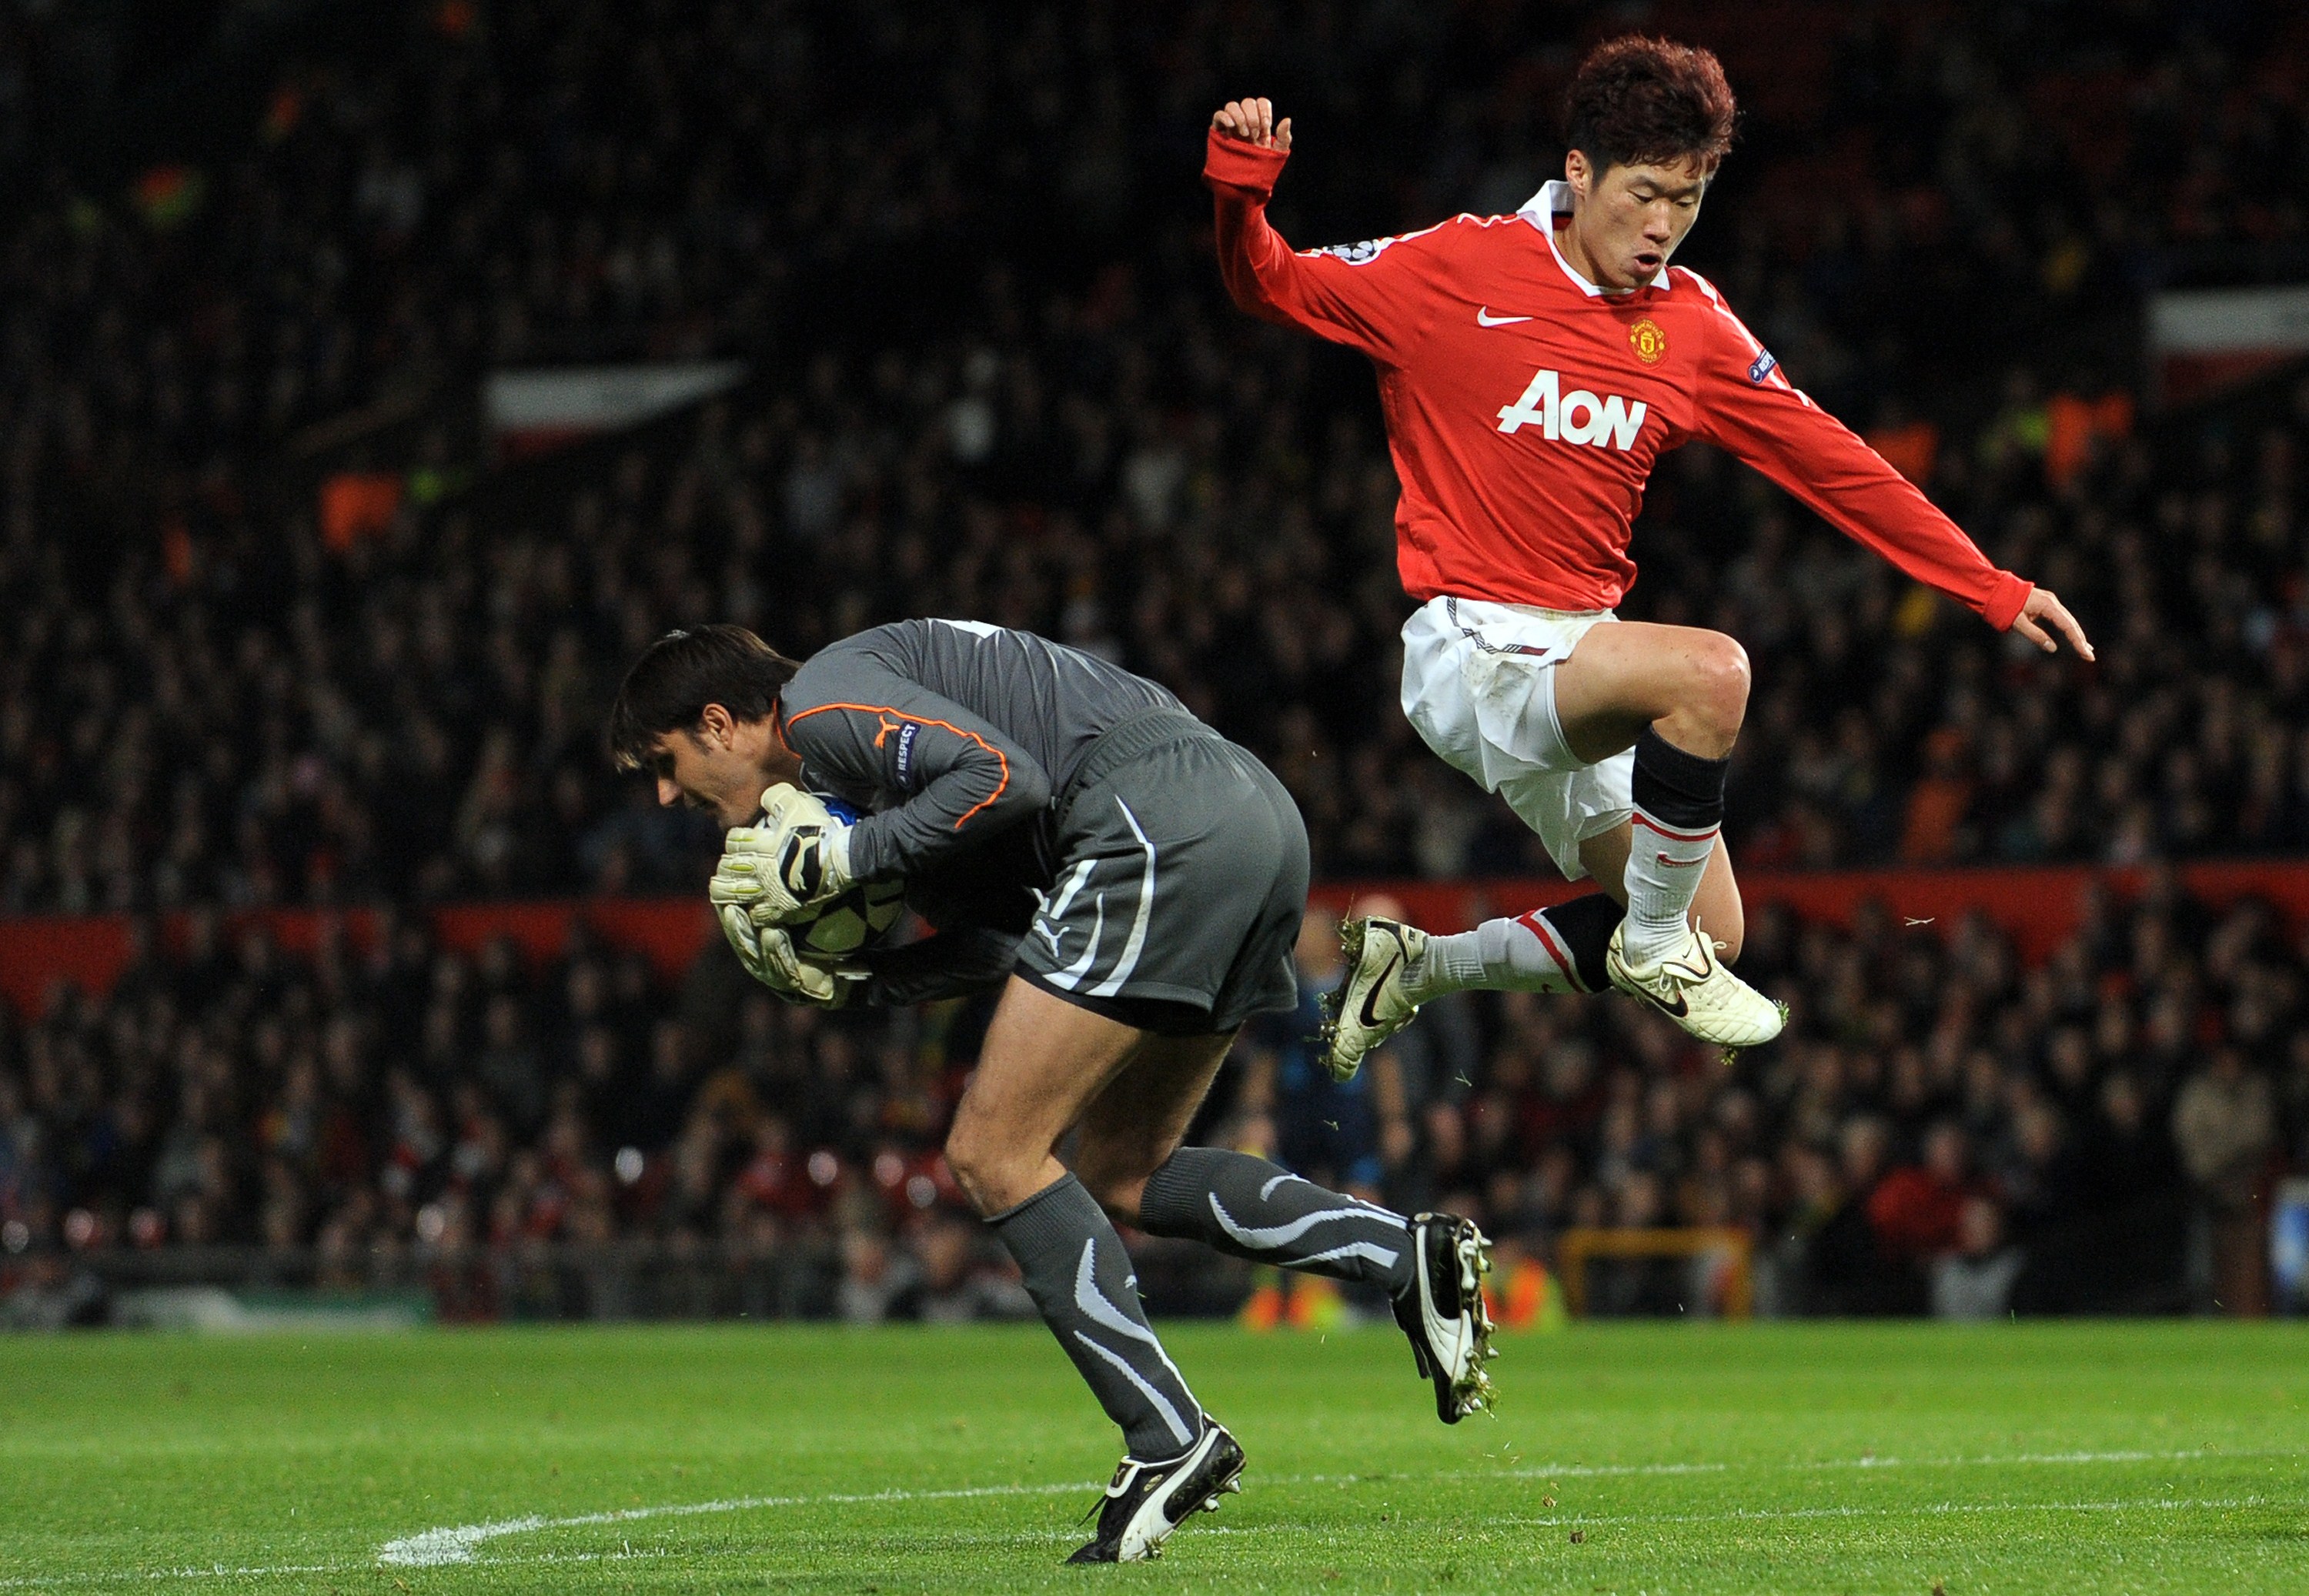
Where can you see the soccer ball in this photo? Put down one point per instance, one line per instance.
(858, 919)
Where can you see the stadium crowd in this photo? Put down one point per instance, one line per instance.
(995, 377)
(1941, 1128)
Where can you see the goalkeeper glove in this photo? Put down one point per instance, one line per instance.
(794, 858)
(768, 954)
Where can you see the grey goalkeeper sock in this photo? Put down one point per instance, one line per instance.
(1260, 1211)
(1078, 1273)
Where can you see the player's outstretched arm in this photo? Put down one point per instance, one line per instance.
(1365, 295)
(2043, 616)
(1749, 408)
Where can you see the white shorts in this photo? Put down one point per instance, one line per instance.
(1479, 683)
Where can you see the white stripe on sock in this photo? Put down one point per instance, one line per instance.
(1161, 1404)
(1266, 1239)
(1384, 1257)
(1099, 1311)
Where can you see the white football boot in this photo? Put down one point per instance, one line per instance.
(1371, 1003)
(1691, 986)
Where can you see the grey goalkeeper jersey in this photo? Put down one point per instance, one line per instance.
(956, 735)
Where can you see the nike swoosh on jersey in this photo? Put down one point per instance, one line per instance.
(1485, 318)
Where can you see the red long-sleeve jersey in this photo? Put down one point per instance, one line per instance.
(1526, 407)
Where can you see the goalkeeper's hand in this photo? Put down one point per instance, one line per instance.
(769, 956)
(796, 856)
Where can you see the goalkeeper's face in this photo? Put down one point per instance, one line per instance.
(721, 765)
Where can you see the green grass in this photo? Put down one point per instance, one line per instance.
(2106, 1458)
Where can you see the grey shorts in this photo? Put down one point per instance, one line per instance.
(1181, 883)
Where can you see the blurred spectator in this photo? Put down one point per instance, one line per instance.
(878, 1281)
(962, 1279)
(2225, 1125)
(1918, 1212)
(1851, 1269)
(1974, 1281)
(1328, 1130)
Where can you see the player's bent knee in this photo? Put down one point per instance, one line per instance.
(993, 1175)
(1720, 679)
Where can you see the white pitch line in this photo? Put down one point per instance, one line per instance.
(2026, 1459)
(42, 1581)
(1774, 1515)
(431, 1548)
(1929, 1510)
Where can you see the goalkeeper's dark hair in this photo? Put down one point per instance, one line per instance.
(1641, 101)
(678, 675)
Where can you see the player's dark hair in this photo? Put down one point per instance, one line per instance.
(1641, 101)
(678, 675)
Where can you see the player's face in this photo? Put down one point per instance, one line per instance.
(1632, 218)
(720, 766)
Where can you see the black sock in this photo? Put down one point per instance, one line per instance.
(1585, 926)
(1078, 1273)
(1255, 1210)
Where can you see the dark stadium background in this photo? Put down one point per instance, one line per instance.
(302, 662)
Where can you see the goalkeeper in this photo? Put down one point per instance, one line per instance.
(1134, 883)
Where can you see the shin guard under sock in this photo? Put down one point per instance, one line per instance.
(1256, 1210)
(1078, 1275)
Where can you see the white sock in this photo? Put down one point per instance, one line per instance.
(1523, 955)
(1664, 870)
(1678, 809)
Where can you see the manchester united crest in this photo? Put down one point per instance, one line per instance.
(1648, 342)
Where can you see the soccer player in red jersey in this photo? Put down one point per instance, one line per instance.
(1532, 369)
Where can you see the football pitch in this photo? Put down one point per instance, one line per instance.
(2102, 1457)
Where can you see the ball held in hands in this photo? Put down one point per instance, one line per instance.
(796, 856)
(770, 957)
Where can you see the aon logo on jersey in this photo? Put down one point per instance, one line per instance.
(1577, 416)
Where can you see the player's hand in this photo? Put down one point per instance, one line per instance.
(769, 956)
(1253, 122)
(796, 856)
(2043, 610)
